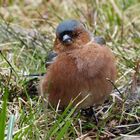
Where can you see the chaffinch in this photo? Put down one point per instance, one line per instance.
(80, 69)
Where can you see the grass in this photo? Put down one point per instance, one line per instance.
(27, 32)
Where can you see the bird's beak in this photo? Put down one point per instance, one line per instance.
(67, 40)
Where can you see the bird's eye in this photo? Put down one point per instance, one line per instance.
(77, 34)
(74, 34)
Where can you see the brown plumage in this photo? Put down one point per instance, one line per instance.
(81, 67)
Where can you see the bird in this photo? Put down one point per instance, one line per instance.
(81, 69)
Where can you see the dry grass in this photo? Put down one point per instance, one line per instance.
(27, 31)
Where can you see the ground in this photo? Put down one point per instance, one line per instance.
(27, 32)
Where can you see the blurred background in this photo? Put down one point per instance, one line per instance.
(27, 32)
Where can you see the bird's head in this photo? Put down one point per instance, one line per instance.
(71, 34)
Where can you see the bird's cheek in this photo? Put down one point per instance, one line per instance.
(58, 48)
(78, 43)
(83, 39)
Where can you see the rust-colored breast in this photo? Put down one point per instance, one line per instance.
(81, 71)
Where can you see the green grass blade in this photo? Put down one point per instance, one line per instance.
(3, 115)
(10, 127)
(63, 130)
(60, 122)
